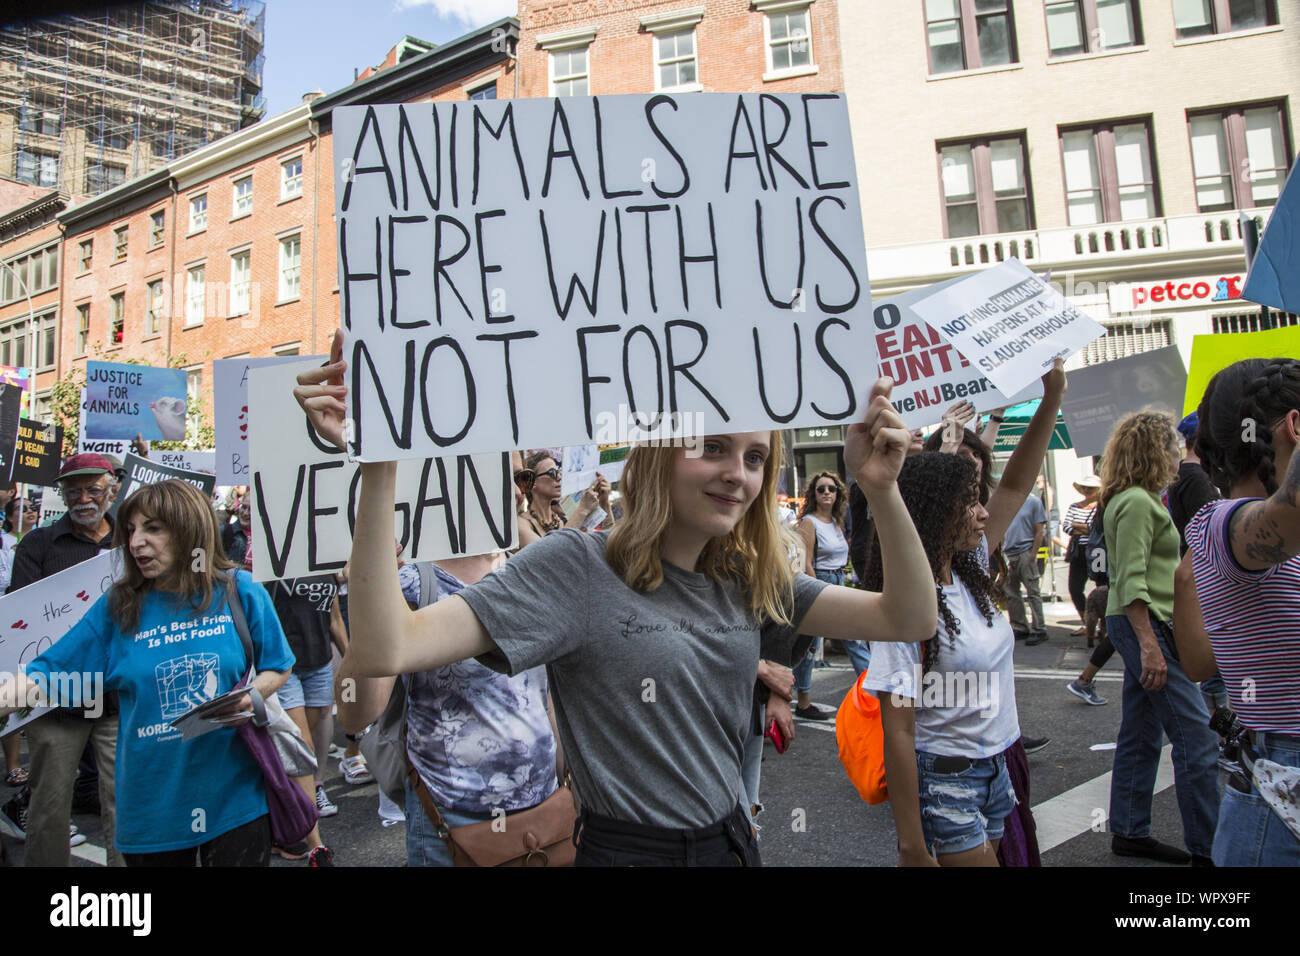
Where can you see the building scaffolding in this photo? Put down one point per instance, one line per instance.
(89, 101)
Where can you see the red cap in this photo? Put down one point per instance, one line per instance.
(86, 463)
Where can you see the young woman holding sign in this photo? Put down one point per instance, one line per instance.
(652, 632)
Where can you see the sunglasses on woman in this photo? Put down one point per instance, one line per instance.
(552, 473)
(826, 489)
(525, 477)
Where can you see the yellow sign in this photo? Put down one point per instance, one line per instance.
(1213, 353)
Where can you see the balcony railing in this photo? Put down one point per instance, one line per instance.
(1073, 246)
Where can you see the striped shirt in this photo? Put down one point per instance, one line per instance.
(1076, 514)
(1253, 621)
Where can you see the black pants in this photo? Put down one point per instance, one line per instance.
(249, 845)
(1079, 580)
(602, 841)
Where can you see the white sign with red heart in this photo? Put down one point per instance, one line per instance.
(230, 405)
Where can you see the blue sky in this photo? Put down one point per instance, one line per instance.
(316, 44)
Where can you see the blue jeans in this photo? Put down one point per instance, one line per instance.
(1179, 709)
(423, 845)
(1250, 833)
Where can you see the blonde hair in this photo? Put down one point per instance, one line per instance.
(1137, 454)
(754, 554)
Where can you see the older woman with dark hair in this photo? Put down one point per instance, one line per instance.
(1141, 459)
(164, 638)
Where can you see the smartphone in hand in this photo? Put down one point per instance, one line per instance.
(774, 734)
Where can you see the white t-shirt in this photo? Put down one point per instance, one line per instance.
(966, 705)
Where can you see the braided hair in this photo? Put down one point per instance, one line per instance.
(1240, 407)
(939, 491)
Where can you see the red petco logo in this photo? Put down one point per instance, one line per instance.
(1200, 290)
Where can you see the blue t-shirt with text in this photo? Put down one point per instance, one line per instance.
(174, 794)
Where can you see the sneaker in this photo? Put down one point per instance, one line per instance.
(320, 856)
(1035, 638)
(297, 851)
(1086, 692)
(813, 712)
(1019, 635)
(324, 806)
(1148, 848)
(336, 752)
(355, 771)
(1034, 744)
(13, 818)
(75, 836)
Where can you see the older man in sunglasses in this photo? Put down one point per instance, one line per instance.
(88, 484)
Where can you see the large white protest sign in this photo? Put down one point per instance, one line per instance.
(34, 617)
(305, 494)
(929, 374)
(1010, 323)
(230, 408)
(518, 273)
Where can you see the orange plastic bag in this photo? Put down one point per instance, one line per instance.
(861, 740)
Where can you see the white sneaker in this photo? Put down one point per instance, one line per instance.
(75, 836)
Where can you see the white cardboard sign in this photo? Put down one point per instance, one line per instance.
(34, 617)
(1010, 323)
(520, 273)
(929, 373)
(230, 408)
(200, 461)
(304, 495)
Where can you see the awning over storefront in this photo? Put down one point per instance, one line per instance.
(1017, 420)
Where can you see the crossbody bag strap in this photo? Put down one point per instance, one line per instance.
(426, 800)
(241, 622)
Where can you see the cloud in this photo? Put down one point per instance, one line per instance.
(471, 12)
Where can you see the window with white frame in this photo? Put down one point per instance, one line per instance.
(675, 63)
(117, 330)
(569, 72)
(195, 295)
(47, 332)
(486, 92)
(293, 348)
(1194, 18)
(85, 252)
(193, 389)
(1091, 26)
(154, 313)
(243, 202)
(241, 281)
(13, 342)
(290, 260)
(157, 228)
(198, 213)
(290, 178)
(83, 327)
(789, 40)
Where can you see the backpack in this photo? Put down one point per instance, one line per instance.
(861, 740)
(384, 742)
(1098, 558)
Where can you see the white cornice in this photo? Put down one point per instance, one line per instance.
(672, 20)
(228, 153)
(777, 6)
(582, 36)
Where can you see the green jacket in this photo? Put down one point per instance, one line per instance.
(1142, 549)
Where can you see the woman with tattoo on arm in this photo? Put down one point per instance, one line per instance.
(1244, 558)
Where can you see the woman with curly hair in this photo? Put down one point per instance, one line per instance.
(826, 551)
(652, 632)
(540, 481)
(948, 706)
(1243, 563)
(1141, 459)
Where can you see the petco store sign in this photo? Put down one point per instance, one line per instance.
(1178, 293)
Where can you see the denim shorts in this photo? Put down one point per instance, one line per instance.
(1250, 832)
(309, 688)
(959, 811)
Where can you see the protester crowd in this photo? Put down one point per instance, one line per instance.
(514, 686)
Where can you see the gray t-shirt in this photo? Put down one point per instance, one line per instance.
(1020, 533)
(652, 691)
